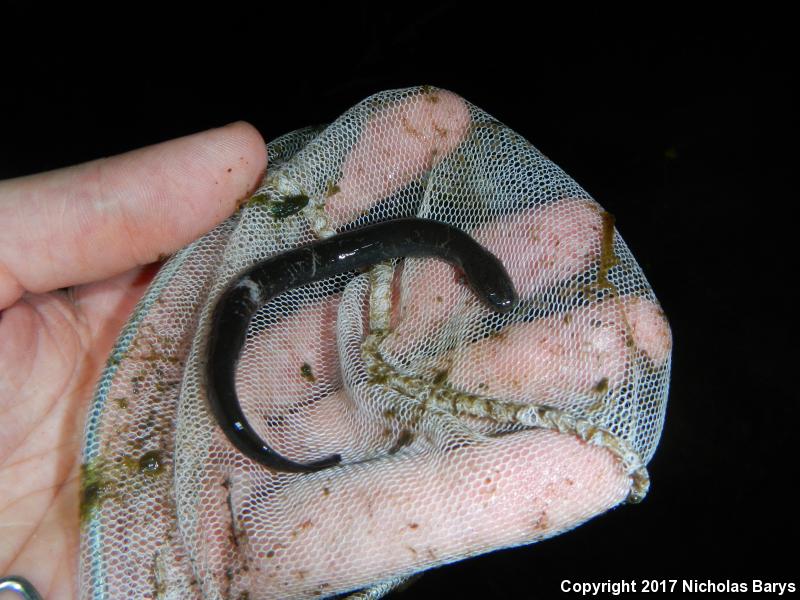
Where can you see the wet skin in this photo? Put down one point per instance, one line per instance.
(343, 253)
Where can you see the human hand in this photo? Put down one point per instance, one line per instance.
(419, 501)
(94, 229)
(373, 520)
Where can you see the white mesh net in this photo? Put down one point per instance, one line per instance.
(461, 430)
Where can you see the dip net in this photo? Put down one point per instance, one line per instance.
(461, 430)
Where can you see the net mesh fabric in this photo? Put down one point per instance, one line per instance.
(400, 369)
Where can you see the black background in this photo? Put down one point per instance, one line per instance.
(682, 128)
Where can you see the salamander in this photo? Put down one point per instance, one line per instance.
(342, 253)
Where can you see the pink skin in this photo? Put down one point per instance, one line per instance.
(275, 377)
(398, 145)
(271, 368)
(342, 528)
(546, 361)
(85, 223)
(88, 226)
(550, 360)
(337, 529)
(539, 248)
(650, 329)
(349, 527)
(544, 246)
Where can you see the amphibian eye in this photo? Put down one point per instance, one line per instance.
(349, 251)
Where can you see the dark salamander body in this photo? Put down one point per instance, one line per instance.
(320, 260)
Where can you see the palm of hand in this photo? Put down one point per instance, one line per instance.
(90, 227)
(61, 340)
(58, 342)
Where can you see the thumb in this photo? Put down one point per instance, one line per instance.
(95, 220)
